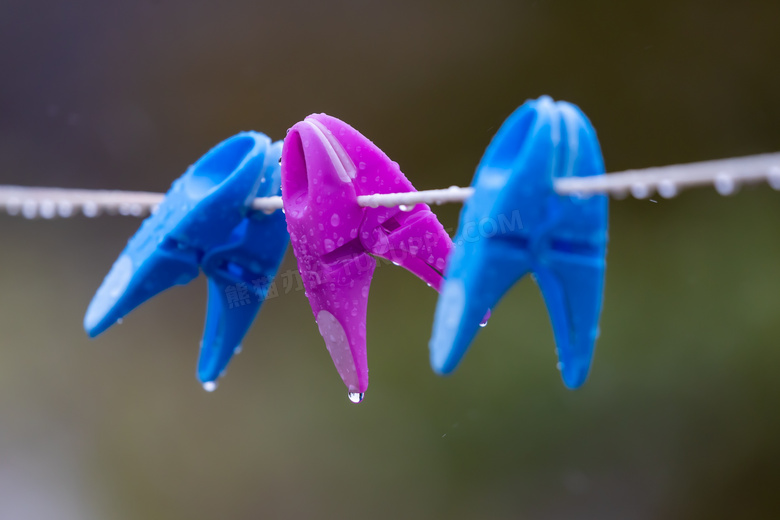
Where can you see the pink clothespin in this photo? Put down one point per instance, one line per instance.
(326, 165)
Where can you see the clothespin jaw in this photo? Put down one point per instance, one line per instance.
(515, 223)
(205, 220)
(326, 165)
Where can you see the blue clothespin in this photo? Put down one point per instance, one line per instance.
(206, 222)
(516, 223)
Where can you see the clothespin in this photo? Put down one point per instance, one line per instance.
(516, 223)
(326, 165)
(205, 222)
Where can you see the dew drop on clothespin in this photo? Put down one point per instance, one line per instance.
(356, 397)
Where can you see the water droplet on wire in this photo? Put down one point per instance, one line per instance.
(725, 184)
(773, 178)
(29, 209)
(13, 206)
(48, 209)
(640, 191)
(667, 189)
(64, 208)
(90, 209)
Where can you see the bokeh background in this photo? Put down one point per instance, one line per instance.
(680, 416)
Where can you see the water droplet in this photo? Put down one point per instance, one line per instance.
(64, 208)
(640, 191)
(483, 323)
(13, 206)
(210, 386)
(725, 184)
(559, 365)
(774, 178)
(29, 209)
(48, 209)
(90, 209)
(334, 220)
(119, 321)
(667, 189)
(404, 207)
(356, 397)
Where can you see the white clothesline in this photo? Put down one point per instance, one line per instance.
(725, 174)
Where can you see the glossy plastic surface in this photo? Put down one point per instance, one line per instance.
(326, 165)
(515, 224)
(205, 222)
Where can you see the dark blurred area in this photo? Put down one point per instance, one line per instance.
(679, 418)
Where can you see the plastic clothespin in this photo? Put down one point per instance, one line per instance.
(326, 165)
(516, 223)
(205, 221)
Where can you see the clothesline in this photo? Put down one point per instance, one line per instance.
(725, 174)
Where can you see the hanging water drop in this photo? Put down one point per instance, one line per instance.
(773, 178)
(667, 189)
(210, 386)
(29, 209)
(13, 206)
(48, 209)
(90, 209)
(725, 184)
(483, 323)
(404, 207)
(356, 397)
(64, 208)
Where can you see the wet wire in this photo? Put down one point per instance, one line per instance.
(726, 175)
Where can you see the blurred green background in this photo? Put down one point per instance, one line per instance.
(680, 416)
